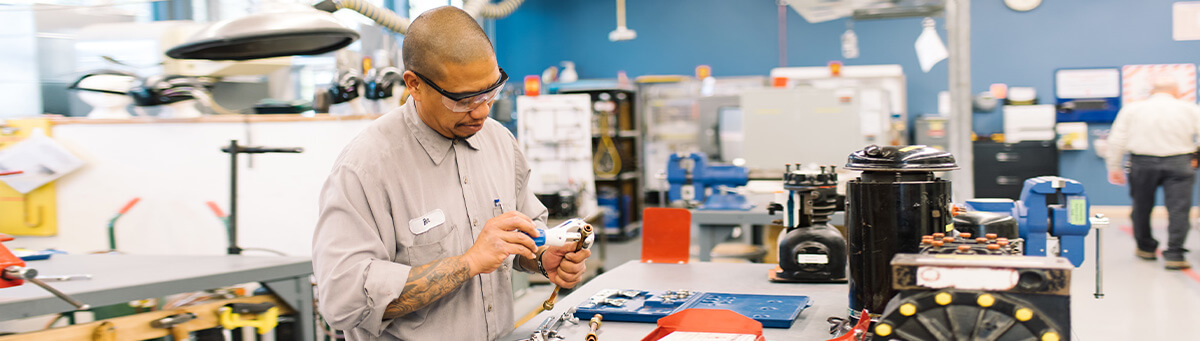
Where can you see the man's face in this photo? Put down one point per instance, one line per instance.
(456, 78)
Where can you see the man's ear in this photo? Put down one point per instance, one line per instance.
(413, 84)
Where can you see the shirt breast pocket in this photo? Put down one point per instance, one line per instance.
(437, 243)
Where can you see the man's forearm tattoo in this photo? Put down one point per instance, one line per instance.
(428, 283)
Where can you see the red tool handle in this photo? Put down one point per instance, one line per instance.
(130, 205)
(11, 173)
(216, 209)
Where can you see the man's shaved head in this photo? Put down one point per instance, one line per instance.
(444, 35)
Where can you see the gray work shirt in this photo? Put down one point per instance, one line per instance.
(397, 173)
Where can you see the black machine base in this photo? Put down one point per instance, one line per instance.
(779, 275)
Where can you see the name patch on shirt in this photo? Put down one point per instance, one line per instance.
(427, 222)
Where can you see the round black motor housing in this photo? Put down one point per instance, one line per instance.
(895, 201)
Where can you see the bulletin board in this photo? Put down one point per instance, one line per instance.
(32, 214)
(1087, 94)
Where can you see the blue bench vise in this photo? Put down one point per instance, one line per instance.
(1049, 205)
(695, 182)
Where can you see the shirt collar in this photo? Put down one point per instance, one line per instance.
(435, 145)
(1162, 95)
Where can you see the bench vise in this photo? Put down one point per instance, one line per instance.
(695, 182)
(1049, 206)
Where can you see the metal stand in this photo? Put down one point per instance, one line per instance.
(233, 150)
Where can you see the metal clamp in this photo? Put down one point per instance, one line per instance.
(548, 330)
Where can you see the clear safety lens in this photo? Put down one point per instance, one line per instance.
(471, 103)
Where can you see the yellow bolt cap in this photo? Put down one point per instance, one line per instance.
(1050, 336)
(884, 329)
(943, 298)
(986, 300)
(908, 309)
(1024, 314)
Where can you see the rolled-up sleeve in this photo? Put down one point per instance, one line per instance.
(352, 255)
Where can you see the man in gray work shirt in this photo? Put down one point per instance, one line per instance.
(410, 244)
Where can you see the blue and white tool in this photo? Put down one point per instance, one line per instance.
(570, 231)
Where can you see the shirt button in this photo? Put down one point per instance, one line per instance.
(474, 222)
(489, 308)
(464, 180)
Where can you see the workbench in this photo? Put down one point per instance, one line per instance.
(740, 278)
(118, 279)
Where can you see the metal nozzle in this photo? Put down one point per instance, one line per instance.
(17, 272)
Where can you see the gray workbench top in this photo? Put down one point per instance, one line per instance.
(827, 299)
(123, 278)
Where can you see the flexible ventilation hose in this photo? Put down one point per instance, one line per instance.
(500, 10)
(381, 16)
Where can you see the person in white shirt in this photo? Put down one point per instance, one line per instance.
(1160, 134)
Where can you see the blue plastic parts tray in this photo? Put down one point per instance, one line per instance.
(773, 311)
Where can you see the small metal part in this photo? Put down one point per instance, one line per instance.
(170, 322)
(548, 330)
(594, 324)
(629, 293)
(616, 302)
(63, 278)
(1099, 221)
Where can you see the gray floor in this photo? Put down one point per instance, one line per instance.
(1142, 301)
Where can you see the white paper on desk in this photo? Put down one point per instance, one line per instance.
(700, 336)
(930, 49)
(40, 158)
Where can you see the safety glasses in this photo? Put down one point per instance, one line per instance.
(467, 101)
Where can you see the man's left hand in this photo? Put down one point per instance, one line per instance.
(564, 267)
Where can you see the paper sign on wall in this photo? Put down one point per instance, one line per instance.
(1138, 80)
(1185, 17)
(41, 160)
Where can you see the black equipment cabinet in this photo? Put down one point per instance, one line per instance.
(1001, 168)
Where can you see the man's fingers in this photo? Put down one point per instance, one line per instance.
(569, 280)
(520, 223)
(519, 240)
(571, 268)
(517, 249)
(578, 256)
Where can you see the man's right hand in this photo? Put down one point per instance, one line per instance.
(497, 241)
(1116, 177)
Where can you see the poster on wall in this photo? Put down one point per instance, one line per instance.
(1137, 80)
(1185, 19)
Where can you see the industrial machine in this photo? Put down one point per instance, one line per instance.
(1051, 209)
(810, 251)
(696, 183)
(978, 297)
(925, 270)
(895, 202)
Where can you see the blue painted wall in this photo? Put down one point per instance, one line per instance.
(739, 37)
(1024, 49)
(735, 37)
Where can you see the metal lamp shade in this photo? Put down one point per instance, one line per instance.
(266, 35)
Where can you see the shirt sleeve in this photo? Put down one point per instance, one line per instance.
(356, 278)
(527, 202)
(1118, 138)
